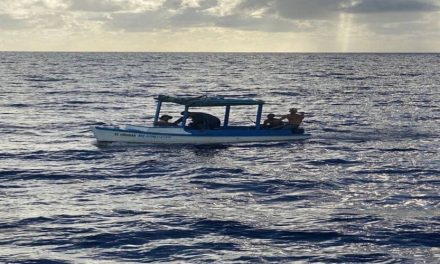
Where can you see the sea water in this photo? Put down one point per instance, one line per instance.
(364, 188)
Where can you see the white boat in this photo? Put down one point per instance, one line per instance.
(183, 134)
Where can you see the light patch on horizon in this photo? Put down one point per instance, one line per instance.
(344, 28)
(221, 25)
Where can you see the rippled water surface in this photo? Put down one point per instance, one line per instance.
(364, 188)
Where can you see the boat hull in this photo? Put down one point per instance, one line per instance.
(178, 135)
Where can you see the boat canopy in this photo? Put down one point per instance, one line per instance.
(201, 101)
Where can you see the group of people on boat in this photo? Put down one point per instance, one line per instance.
(202, 121)
(294, 119)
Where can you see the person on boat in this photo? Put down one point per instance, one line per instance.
(201, 120)
(272, 122)
(163, 121)
(294, 118)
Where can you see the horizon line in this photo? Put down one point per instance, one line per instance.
(268, 52)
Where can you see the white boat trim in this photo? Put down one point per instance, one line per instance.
(177, 135)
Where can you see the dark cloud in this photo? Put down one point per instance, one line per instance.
(253, 5)
(308, 9)
(192, 18)
(196, 17)
(95, 5)
(396, 17)
(420, 29)
(178, 4)
(172, 4)
(388, 6)
(327, 9)
(295, 9)
(171, 15)
(265, 24)
(152, 21)
(172, 18)
(205, 4)
(393, 24)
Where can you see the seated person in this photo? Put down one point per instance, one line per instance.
(163, 121)
(294, 118)
(272, 122)
(201, 120)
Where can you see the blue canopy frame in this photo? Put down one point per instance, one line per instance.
(206, 101)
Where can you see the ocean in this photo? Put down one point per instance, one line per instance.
(363, 189)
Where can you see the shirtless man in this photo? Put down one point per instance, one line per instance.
(294, 118)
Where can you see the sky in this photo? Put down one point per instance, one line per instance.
(220, 25)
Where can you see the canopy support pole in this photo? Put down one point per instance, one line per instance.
(226, 120)
(156, 116)
(258, 120)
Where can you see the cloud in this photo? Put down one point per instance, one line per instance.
(396, 17)
(393, 6)
(21, 15)
(196, 17)
(295, 10)
(146, 21)
(171, 15)
(111, 6)
(347, 21)
(327, 9)
(8, 22)
(247, 15)
(192, 18)
(96, 5)
(264, 24)
(308, 9)
(174, 15)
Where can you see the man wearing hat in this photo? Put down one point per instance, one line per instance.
(272, 122)
(294, 118)
(163, 121)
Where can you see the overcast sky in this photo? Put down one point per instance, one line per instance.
(221, 25)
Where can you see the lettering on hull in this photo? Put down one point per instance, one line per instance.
(132, 135)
